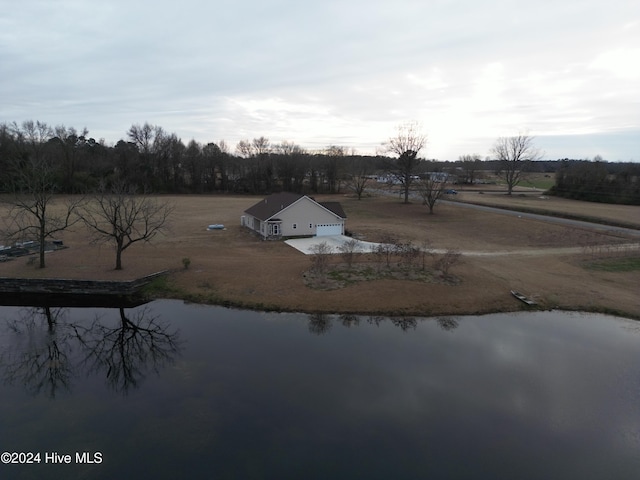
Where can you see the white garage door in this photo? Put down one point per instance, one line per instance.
(328, 229)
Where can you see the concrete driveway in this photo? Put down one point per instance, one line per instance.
(305, 245)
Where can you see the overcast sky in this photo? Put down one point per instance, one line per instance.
(341, 72)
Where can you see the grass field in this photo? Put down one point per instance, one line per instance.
(540, 181)
(500, 253)
(534, 200)
(626, 264)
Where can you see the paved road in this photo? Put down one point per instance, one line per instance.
(609, 229)
(546, 218)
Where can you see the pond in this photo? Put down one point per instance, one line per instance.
(171, 390)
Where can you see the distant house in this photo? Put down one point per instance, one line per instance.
(293, 215)
(438, 177)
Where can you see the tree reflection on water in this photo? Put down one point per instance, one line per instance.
(47, 351)
(321, 323)
(39, 357)
(128, 351)
(447, 323)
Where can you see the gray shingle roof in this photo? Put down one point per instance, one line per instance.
(335, 207)
(271, 205)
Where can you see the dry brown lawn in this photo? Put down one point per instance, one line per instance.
(232, 266)
(536, 201)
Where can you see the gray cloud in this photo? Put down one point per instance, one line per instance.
(331, 72)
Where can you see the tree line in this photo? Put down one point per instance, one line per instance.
(598, 181)
(158, 161)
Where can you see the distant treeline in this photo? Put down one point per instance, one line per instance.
(160, 162)
(157, 161)
(598, 181)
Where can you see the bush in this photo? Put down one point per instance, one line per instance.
(446, 261)
(320, 257)
(347, 250)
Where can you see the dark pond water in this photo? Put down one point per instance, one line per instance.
(169, 390)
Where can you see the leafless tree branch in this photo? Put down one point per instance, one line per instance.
(122, 217)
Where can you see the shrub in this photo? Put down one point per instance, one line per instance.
(320, 257)
(347, 250)
(446, 261)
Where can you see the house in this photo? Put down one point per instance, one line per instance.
(293, 215)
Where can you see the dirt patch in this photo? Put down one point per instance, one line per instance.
(233, 266)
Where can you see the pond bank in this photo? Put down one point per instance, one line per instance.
(166, 288)
(74, 292)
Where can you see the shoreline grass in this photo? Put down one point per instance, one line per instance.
(624, 264)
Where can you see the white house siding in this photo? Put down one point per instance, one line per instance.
(305, 215)
(251, 223)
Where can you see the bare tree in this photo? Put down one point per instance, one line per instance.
(122, 217)
(358, 175)
(68, 144)
(431, 188)
(33, 135)
(408, 253)
(244, 148)
(470, 166)
(515, 154)
(290, 165)
(347, 251)
(333, 164)
(320, 257)
(447, 260)
(386, 248)
(261, 146)
(160, 156)
(425, 251)
(215, 166)
(258, 163)
(406, 144)
(194, 165)
(33, 213)
(144, 136)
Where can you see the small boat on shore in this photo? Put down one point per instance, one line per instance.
(523, 298)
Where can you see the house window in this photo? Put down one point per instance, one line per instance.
(295, 225)
(311, 225)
